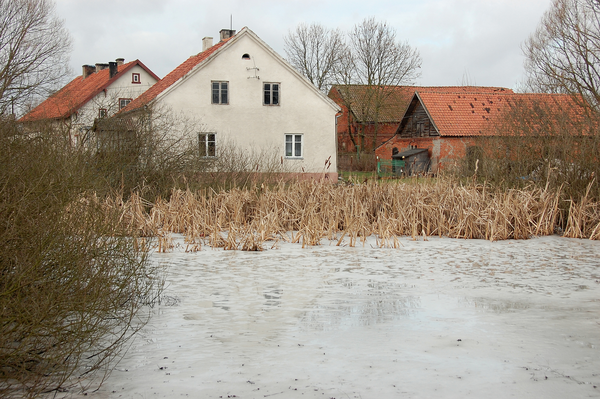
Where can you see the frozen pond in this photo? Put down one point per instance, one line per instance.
(442, 318)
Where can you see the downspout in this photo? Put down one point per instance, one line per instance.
(336, 141)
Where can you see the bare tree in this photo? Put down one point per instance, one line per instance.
(315, 51)
(378, 61)
(563, 55)
(34, 48)
(379, 58)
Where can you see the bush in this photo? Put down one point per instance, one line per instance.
(72, 280)
(554, 145)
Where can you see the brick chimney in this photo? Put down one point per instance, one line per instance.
(100, 67)
(120, 61)
(207, 43)
(112, 66)
(226, 33)
(88, 70)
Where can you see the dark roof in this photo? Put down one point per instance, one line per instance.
(409, 153)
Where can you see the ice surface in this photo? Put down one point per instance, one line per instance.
(441, 318)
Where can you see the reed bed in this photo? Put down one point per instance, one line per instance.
(310, 212)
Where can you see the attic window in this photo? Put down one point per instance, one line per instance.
(246, 56)
(135, 78)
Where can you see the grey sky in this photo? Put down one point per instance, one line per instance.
(477, 39)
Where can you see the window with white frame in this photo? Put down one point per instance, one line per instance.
(271, 94)
(123, 102)
(207, 144)
(135, 78)
(220, 92)
(293, 146)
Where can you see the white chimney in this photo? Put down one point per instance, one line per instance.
(207, 43)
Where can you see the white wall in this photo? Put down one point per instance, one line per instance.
(109, 100)
(245, 120)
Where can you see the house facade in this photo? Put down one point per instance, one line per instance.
(101, 91)
(244, 94)
(449, 124)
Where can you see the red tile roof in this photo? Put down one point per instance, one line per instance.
(397, 99)
(173, 77)
(77, 93)
(476, 114)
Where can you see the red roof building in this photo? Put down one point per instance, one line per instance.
(101, 91)
(371, 115)
(448, 123)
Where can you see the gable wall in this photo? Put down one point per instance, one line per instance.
(415, 116)
(109, 100)
(245, 121)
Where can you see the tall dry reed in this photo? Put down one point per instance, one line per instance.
(309, 212)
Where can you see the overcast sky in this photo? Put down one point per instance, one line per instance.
(479, 40)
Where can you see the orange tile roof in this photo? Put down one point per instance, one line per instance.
(476, 114)
(173, 77)
(77, 93)
(397, 99)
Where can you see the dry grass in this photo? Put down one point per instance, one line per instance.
(309, 212)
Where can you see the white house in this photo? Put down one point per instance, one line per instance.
(244, 93)
(101, 91)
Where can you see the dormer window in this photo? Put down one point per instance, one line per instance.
(135, 78)
(246, 56)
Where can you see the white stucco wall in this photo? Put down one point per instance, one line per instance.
(109, 100)
(245, 120)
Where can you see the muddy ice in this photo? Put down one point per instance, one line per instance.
(441, 318)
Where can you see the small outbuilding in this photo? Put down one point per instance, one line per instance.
(416, 161)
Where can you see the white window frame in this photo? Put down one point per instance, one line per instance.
(204, 144)
(268, 94)
(123, 102)
(291, 142)
(219, 92)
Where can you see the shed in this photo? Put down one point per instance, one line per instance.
(416, 160)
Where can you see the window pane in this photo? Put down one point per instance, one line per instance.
(211, 148)
(275, 95)
(288, 149)
(202, 144)
(215, 95)
(298, 151)
(224, 99)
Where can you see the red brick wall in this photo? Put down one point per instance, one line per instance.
(385, 130)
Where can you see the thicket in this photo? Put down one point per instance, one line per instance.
(72, 281)
(542, 144)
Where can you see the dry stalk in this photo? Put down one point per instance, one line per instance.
(307, 212)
